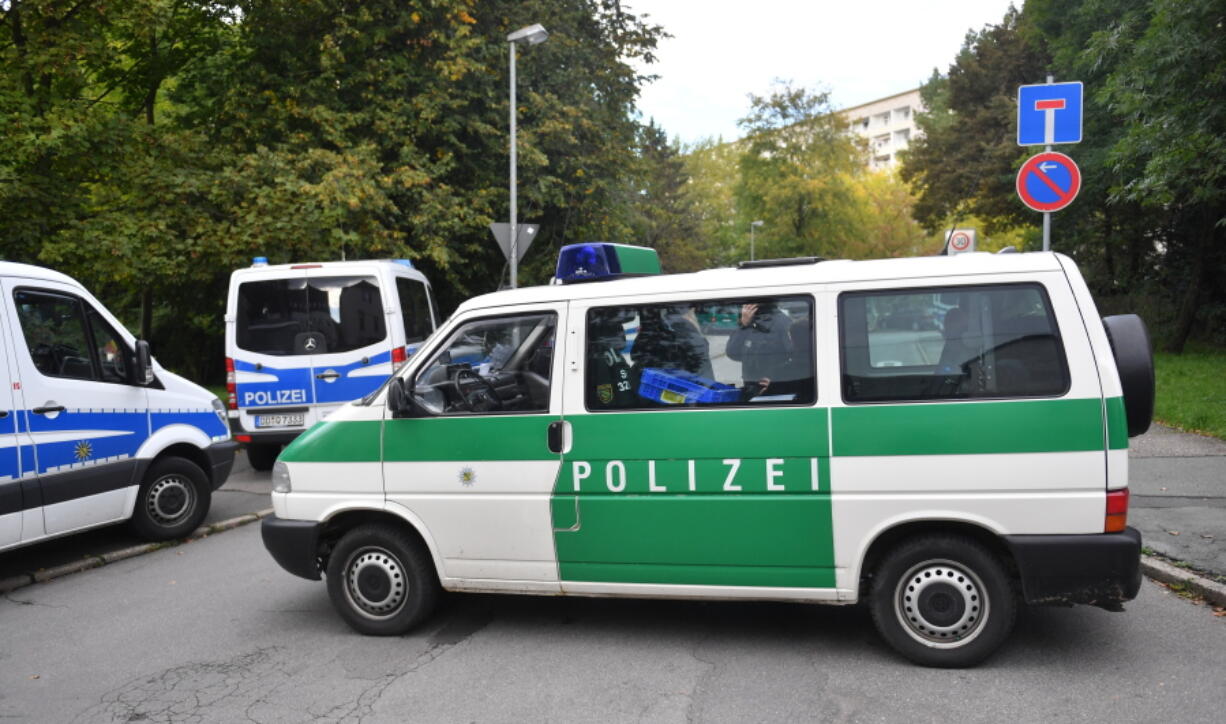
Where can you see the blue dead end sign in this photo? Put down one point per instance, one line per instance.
(1048, 181)
(1049, 113)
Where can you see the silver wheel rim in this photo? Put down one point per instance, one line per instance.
(171, 500)
(375, 583)
(941, 604)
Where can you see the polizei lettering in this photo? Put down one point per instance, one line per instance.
(728, 475)
(274, 397)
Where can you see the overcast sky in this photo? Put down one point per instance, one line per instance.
(859, 50)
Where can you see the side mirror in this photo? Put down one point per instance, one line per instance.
(142, 372)
(401, 402)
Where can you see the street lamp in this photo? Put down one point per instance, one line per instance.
(532, 35)
(752, 225)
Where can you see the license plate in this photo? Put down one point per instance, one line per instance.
(280, 420)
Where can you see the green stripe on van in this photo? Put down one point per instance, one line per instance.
(354, 441)
(1117, 424)
(964, 428)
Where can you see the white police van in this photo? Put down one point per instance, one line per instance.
(303, 339)
(829, 449)
(94, 431)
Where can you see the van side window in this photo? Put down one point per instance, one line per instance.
(950, 343)
(54, 329)
(729, 352)
(499, 364)
(113, 354)
(414, 308)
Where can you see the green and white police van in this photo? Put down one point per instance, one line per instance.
(943, 438)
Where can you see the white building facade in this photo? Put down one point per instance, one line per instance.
(887, 124)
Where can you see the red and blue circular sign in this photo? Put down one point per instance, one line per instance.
(1048, 181)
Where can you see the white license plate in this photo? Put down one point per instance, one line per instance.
(295, 420)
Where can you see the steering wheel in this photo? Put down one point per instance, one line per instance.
(475, 392)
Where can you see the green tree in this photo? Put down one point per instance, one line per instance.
(713, 170)
(965, 158)
(666, 218)
(796, 173)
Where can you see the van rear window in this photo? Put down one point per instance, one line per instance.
(950, 343)
(317, 315)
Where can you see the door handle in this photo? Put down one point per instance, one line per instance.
(4, 414)
(555, 436)
(327, 375)
(48, 409)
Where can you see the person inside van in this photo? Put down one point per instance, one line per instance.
(611, 381)
(763, 345)
(669, 338)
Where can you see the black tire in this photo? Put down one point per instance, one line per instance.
(1134, 359)
(943, 601)
(262, 455)
(173, 500)
(381, 581)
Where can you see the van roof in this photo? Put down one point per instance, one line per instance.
(30, 271)
(825, 272)
(302, 265)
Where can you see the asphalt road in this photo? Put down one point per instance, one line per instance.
(216, 632)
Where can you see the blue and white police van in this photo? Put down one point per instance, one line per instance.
(304, 339)
(93, 430)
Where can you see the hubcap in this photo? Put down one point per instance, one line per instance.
(941, 604)
(171, 499)
(375, 583)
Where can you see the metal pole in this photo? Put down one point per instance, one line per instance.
(1048, 131)
(514, 227)
(751, 228)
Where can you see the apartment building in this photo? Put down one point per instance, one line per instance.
(888, 124)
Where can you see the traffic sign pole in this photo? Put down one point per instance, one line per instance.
(1050, 134)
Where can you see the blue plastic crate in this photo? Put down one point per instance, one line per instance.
(678, 387)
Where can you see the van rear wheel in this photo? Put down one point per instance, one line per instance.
(943, 601)
(262, 455)
(173, 500)
(381, 581)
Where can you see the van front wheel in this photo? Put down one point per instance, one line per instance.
(943, 601)
(173, 500)
(381, 581)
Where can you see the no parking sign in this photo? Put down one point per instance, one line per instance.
(1048, 181)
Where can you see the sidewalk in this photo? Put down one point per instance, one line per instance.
(1178, 484)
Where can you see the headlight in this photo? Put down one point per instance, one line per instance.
(220, 409)
(280, 478)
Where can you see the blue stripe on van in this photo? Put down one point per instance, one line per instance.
(206, 421)
(345, 387)
(292, 386)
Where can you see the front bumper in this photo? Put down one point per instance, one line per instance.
(294, 544)
(1102, 569)
(221, 461)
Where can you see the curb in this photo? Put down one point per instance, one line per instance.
(1159, 570)
(13, 583)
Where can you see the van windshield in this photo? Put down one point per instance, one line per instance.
(319, 315)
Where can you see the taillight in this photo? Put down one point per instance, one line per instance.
(399, 355)
(230, 388)
(243, 438)
(1116, 519)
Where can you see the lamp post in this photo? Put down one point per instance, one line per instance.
(532, 35)
(752, 225)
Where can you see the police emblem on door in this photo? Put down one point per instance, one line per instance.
(604, 393)
(467, 476)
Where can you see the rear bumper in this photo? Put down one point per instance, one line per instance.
(294, 545)
(276, 436)
(1103, 569)
(221, 461)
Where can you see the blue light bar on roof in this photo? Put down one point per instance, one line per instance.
(405, 262)
(602, 260)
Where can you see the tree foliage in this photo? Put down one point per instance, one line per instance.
(1147, 226)
(152, 146)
